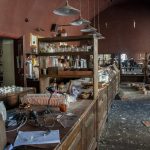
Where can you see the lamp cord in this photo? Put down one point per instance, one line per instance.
(23, 122)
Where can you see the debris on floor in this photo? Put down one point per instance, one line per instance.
(146, 123)
(124, 130)
(134, 91)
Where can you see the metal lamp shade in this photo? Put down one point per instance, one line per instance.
(66, 10)
(79, 22)
(88, 29)
(98, 35)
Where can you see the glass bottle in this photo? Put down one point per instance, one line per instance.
(55, 84)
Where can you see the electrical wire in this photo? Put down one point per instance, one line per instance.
(23, 122)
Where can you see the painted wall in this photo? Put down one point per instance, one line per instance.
(8, 61)
(126, 28)
(39, 14)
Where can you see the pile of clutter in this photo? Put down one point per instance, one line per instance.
(144, 88)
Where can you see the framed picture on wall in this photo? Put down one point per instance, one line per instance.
(33, 43)
(33, 40)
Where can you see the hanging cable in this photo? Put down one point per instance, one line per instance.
(88, 10)
(98, 18)
(80, 9)
(94, 15)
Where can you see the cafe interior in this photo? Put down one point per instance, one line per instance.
(74, 74)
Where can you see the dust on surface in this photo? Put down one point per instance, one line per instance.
(124, 129)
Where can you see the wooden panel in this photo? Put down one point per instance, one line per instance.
(101, 110)
(89, 130)
(95, 79)
(75, 73)
(73, 140)
(110, 93)
(65, 39)
(2, 134)
(77, 143)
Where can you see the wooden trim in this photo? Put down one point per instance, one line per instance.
(65, 53)
(65, 39)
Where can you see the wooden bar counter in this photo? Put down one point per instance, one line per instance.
(81, 135)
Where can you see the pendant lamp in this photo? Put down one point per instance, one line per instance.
(80, 20)
(99, 35)
(66, 10)
(88, 29)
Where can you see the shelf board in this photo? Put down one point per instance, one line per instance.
(66, 53)
(30, 53)
(70, 74)
(66, 39)
(36, 66)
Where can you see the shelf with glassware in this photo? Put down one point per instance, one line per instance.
(68, 57)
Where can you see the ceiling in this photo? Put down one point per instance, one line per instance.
(18, 17)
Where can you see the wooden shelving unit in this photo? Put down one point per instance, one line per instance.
(76, 73)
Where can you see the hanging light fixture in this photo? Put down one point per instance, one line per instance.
(80, 20)
(66, 10)
(88, 28)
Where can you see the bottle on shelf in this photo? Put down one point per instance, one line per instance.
(55, 84)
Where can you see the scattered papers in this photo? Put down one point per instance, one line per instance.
(37, 137)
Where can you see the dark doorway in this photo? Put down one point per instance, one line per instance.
(19, 62)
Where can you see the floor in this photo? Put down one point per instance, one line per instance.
(124, 129)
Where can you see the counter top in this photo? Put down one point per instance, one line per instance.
(79, 109)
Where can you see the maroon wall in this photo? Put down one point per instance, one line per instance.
(39, 13)
(117, 26)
